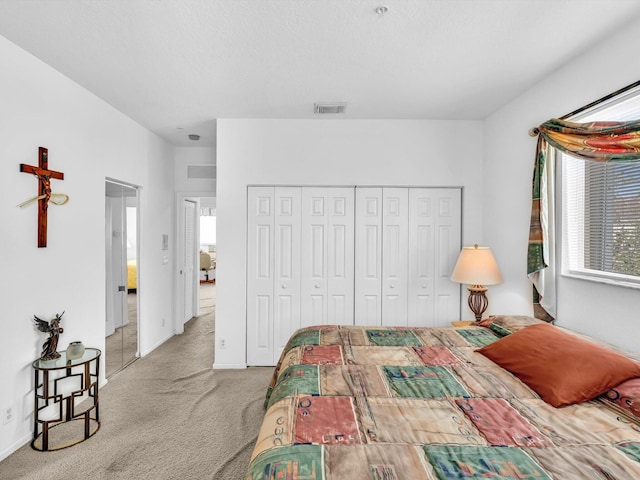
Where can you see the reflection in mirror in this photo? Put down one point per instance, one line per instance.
(121, 328)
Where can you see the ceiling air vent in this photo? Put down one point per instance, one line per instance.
(201, 171)
(322, 108)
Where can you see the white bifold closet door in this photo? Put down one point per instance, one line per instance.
(408, 240)
(299, 264)
(435, 235)
(368, 277)
(395, 255)
(344, 255)
(273, 271)
(327, 256)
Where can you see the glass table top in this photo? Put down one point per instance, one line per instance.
(62, 362)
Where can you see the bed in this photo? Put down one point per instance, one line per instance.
(132, 275)
(349, 402)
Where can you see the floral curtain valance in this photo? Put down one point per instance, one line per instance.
(599, 141)
(594, 141)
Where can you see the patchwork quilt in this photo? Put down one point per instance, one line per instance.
(350, 403)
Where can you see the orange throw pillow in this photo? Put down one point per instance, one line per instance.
(563, 369)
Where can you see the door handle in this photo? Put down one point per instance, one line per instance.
(392, 286)
(284, 286)
(317, 285)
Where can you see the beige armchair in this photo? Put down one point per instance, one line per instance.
(207, 267)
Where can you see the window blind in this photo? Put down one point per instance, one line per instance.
(601, 214)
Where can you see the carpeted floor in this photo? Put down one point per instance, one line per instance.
(166, 416)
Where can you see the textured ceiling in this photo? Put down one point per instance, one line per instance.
(175, 66)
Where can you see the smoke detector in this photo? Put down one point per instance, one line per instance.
(322, 108)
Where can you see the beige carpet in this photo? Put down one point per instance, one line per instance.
(166, 416)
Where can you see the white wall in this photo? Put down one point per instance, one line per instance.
(87, 140)
(329, 152)
(193, 156)
(606, 312)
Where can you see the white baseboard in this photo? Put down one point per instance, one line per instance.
(229, 366)
(149, 350)
(17, 444)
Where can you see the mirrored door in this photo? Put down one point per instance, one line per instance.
(121, 244)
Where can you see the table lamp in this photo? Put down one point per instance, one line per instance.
(476, 267)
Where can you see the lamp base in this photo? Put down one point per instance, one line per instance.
(478, 301)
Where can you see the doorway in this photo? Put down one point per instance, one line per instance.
(188, 268)
(122, 286)
(190, 210)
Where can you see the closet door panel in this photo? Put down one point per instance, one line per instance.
(318, 249)
(287, 266)
(368, 256)
(434, 245)
(327, 255)
(340, 255)
(394, 255)
(313, 281)
(421, 254)
(447, 247)
(317, 311)
(263, 320)
(260, 275)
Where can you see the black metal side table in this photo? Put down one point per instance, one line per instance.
(66, 398)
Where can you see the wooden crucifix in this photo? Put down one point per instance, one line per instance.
(44, 191)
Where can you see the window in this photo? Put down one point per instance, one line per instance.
(601, 208)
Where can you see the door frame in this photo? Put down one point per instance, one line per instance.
(180, 248)
(139, 263)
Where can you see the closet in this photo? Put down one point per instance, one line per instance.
(407, 242)
(348, 255)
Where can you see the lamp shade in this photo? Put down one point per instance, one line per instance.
(476, 266)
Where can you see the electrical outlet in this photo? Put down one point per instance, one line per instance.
(223, 343)
(8, 416)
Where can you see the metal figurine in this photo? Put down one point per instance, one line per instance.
(54, 330)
